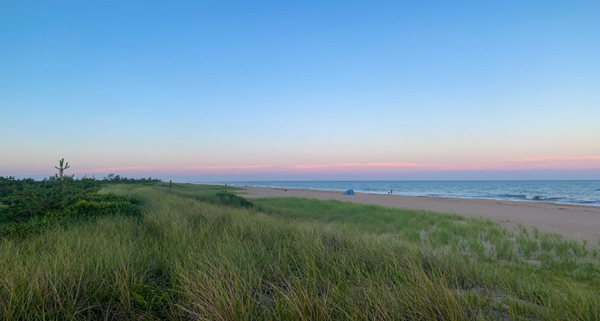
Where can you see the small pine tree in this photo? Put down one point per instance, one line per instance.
(62, 168)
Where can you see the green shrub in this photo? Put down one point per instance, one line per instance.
(84, 208)
(32, 206)
(24, 229)
(109, 197)
(229, 199)
(27, 198)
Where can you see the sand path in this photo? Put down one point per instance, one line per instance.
(572, 221)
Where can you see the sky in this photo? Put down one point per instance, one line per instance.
(301, 90)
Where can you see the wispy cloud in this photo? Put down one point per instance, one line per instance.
(163, 169)
(228, 167)
(365, 165)
(555, 162)
(579, 162)
(547, 159)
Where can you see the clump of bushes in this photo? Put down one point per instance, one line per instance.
(224, 198)
(31, 206)
(26, 199)
(230, 199)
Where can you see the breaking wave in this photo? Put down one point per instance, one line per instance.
(545, 198)
(513, 196)
(530, 198)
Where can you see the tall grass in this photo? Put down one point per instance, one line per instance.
(480, 239)
(193, 256)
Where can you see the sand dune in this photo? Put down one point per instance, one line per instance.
(573, 221)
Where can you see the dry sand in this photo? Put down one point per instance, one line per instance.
(572, 221)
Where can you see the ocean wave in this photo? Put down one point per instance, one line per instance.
(530, 198)
(518, 196)
(586, 202)
(544, 198)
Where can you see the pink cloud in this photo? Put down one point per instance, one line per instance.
(580, 162)
(308, 166)
(399, 165)
(552, 162)
(228, 167)
(338, 165)
(174, 168)
(118, 169)
(546, 159)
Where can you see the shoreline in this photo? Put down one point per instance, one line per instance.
(533, 198)
(427, 196)
(570, 220)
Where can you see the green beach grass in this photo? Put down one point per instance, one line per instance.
(201, 253)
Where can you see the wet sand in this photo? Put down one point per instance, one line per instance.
(572, 221)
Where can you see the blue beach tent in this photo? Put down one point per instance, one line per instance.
(349, 192)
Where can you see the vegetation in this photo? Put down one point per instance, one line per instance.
(196, 255)
(61, 167)
(31, 206)
(28, 206)
(117, 179)
(478, 239)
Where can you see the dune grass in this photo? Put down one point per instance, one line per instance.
(198, 256)
(481, 239)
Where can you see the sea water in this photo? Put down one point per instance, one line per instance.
(586, 192)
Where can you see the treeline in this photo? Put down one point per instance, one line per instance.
(112, 178)
(28, 206)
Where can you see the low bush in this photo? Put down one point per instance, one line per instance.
(31, 206)
(229, 199)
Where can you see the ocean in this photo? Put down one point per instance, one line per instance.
(584, 192)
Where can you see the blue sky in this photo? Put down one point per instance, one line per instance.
(291, 90)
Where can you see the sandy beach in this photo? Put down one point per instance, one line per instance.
(572, 221)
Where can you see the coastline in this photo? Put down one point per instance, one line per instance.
(575, 192)
(570, 220)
